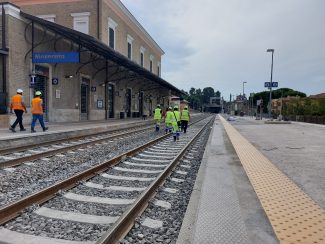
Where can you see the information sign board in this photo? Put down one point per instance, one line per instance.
(268, 84)
(56, 57)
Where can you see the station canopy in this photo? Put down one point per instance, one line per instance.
(94, 45)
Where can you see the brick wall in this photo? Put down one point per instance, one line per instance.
(63, 12)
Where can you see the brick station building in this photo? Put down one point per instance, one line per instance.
(114, 70)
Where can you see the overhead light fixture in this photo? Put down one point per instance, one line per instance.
(69, 76)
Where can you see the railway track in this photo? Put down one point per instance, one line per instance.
(15, 157)
(31, 176)
(107, 204)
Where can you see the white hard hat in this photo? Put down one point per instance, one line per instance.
(20, 91)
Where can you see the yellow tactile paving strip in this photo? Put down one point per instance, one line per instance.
(295, 217)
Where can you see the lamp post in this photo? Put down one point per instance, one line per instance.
(244, 105)
(270, 107)
(244, 82)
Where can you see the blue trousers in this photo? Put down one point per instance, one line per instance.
(38, 117)
(19, 120)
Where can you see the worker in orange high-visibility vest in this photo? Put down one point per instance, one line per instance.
(18, 106)
(37, 111)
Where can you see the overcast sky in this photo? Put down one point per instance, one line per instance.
(221, 43)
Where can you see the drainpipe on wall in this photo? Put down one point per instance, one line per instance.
(106, 87)
(98, 19)
(4, 59)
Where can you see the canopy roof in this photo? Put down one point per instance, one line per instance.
(92, 44)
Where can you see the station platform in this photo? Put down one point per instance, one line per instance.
(62, 130)
(250, 187)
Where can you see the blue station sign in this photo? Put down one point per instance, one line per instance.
(55, 57)
(269, 84)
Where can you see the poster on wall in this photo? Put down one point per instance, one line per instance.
(100, 104)
(57, 94)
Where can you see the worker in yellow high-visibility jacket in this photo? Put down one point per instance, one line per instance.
(185, 118)
(168, 120)
(176, 122)
(157, 117)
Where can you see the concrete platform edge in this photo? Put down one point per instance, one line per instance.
(33, 139)
(186, 233)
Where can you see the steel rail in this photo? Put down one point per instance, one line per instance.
(47, 143)
(125, 222)
(21, 160)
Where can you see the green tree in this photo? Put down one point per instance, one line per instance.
(276, 94)
(192, 91)
(207, 93)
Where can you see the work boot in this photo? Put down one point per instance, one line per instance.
(45, 128)
(12, 129)
(32, 130)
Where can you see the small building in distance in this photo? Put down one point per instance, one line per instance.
(214, 106)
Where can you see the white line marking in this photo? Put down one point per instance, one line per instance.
(159, 153)
(146, 165)
(185, 166)
(166, 148)
(78, 217)
(177, 180)
(18, 154)
(170, 190)
(137, 170)
(10, 169)
(34, 151)
(59, 155)
(29, 164)
(189, 157)
(162, 204)
(6, 158)
(154, 156)
(171, 147)
(151, 160)
(57, 146)
(14, 237)
(118, 177)
(104, 200)
(114, 188)
(152, 223)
